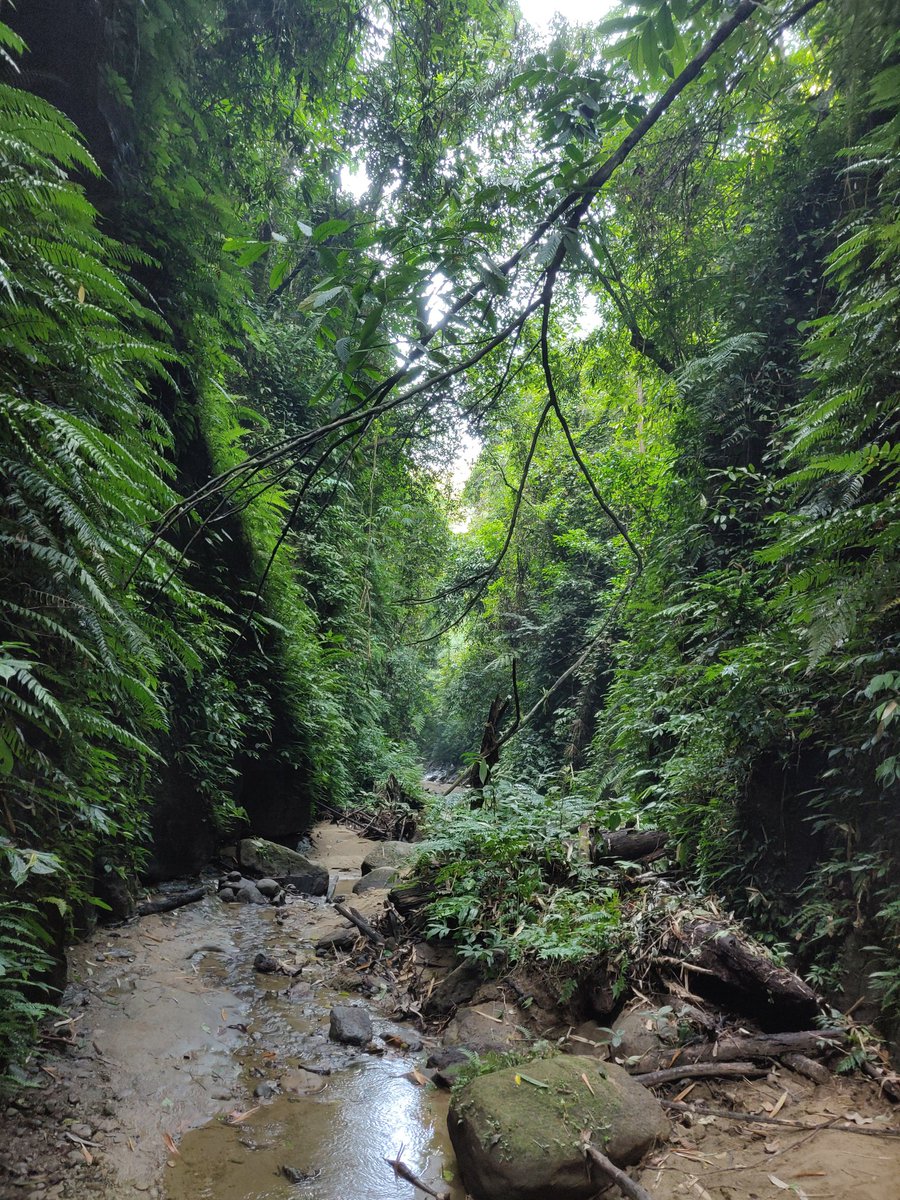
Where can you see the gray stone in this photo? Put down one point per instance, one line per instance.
(643, 1031)
(406, 1039)
(350, 1024)
(388, 854)
(248, 893)
(265, 1090)
(233, 877)
(270, 860)
(454, 989)
(484, 1028)
(269, 887)
(382, 878)
(226, 894)
(522, 1141)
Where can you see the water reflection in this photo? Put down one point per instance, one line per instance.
(338, 1142)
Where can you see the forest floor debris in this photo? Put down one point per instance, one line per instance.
(169, 1028)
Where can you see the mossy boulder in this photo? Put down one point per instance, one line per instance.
(388, 854)
(522, 1140)
(270, 860)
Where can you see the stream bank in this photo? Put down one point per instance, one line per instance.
(182, 1072)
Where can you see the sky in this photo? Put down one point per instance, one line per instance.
(539, 14)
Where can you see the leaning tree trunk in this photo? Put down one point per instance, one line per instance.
(489, 754)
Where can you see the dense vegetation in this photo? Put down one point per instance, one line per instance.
(649, 264)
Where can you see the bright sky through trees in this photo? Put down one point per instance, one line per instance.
(540, 13)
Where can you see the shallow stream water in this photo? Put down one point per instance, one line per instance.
(322, 1136)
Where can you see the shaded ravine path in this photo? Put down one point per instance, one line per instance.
(174, 1029)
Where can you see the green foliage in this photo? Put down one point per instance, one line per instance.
(23, 959)
(509, 884)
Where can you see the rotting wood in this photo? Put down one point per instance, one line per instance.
(764, 1119)
(623, 1182)
(361, 924)
(402, 1171)
(888, 1084)
(627, 845)
(710, 1070)
(168, 903)
(754, 983)
(808, 1067)
(729, 1048)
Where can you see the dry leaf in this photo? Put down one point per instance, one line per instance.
(772, 1147)
(587, 1084)
(858, 1118)
(417, 1077)
(685, 1091)
(235, 1117)
(81, 293)
(779, 1105)
(170, 1144)
(779, 1183)
(88, 1157)
(131, 1146)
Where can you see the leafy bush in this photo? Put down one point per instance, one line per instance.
(510, 883)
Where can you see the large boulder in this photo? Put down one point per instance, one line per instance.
(381, 879)
(388, 854)
(517, 1131)
(270, 860)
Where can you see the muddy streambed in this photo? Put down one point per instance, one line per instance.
(192, 1075)
(321, 1136)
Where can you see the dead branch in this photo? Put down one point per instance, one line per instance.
(729, 1048)
(623, 1182)
(167, 903)
(808, 1067)
(760, 1119)
(361, 924)
(402, 1171)
(701, 1071)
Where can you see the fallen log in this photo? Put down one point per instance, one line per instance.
(170, 902)
(730, 1048)
(808, 1067)
(361, 924)
(627, 845)
(701, 1071)
(730, 969)
(623, 1182)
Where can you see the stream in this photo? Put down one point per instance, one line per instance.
(192, 1075)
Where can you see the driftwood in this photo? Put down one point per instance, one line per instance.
(728, 967)
(834, 1125)
(729, 1049)
(623, 1182)
(701, 1071)
(627, 845)
(402, 1171)
(167, 903)
(361, 924)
